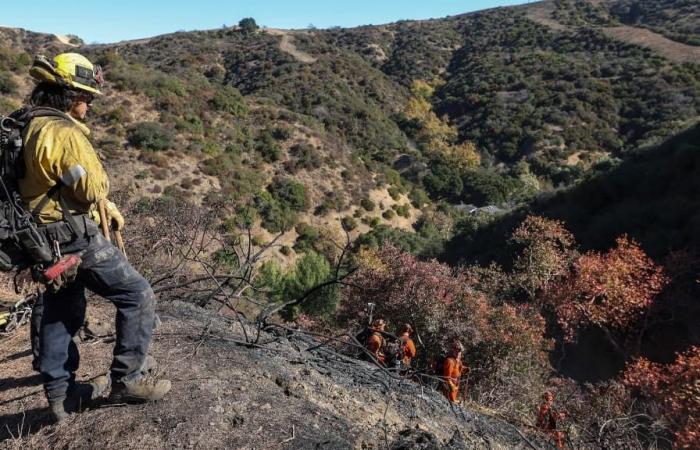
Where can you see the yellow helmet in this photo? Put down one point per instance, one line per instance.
(71, 70)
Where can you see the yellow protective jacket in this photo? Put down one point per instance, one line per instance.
(57, 149)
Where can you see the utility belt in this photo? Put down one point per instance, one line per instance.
(67, 231)
(43, 244)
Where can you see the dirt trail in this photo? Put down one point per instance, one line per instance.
(675, 51)
(65, 39)
(287, 46)
(280, 394)
(541, 13)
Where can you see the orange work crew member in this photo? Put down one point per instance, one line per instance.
(408, 347)
(452, 371)
(375, 341)
(547, 418)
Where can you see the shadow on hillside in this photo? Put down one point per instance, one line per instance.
(16, 356)
(10, 383)
(653, 196)
(23, 423)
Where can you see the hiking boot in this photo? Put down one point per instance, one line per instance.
(143, 389)
(99, 386)
(60, 410)
(150, 365)
(78, 397)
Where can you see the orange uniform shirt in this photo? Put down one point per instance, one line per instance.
(452, 370)
(375, 342)
(409, 349)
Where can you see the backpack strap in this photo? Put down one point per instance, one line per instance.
(27, 113)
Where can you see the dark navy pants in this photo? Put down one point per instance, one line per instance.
(106, 272)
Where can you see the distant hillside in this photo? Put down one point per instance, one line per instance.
(493, 107)
(652, 197)
(676, 19)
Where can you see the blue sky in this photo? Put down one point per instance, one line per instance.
(110, 21)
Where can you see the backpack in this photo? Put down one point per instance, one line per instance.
(363, 335)
(393, 354)
(438, 363)
(21, 243)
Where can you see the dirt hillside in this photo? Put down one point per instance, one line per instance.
(274, 395)
(542, 13)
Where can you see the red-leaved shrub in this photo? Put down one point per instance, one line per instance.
(676, 388)
(610, 290)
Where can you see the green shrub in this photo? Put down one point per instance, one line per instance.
(348, 223)
(418, 197)
(191, 124)
(271, 279)
(143, 205)
(276, 216)
(388, 214)
(367, 204)
(227, 259)
(392, 177)
(13, 61)
(248, 25)
(150, 136)
(306, 239)
(305, 157)
(268, 147)
(211, 148)
(110, 145)
(394, 192)
(282, 132)
(403, 210)
(444, 182)
(7, 84)
(116, 116)
(289, 192)
(424, 244)
(229, 99)
(7, 105)
(244, 217)
(484, 187)
(333, 201)
(310, 271)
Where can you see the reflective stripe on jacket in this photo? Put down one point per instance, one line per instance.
(56, 149)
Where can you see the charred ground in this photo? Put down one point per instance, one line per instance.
(275, 394)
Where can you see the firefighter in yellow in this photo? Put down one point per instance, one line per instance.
(63, 184)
